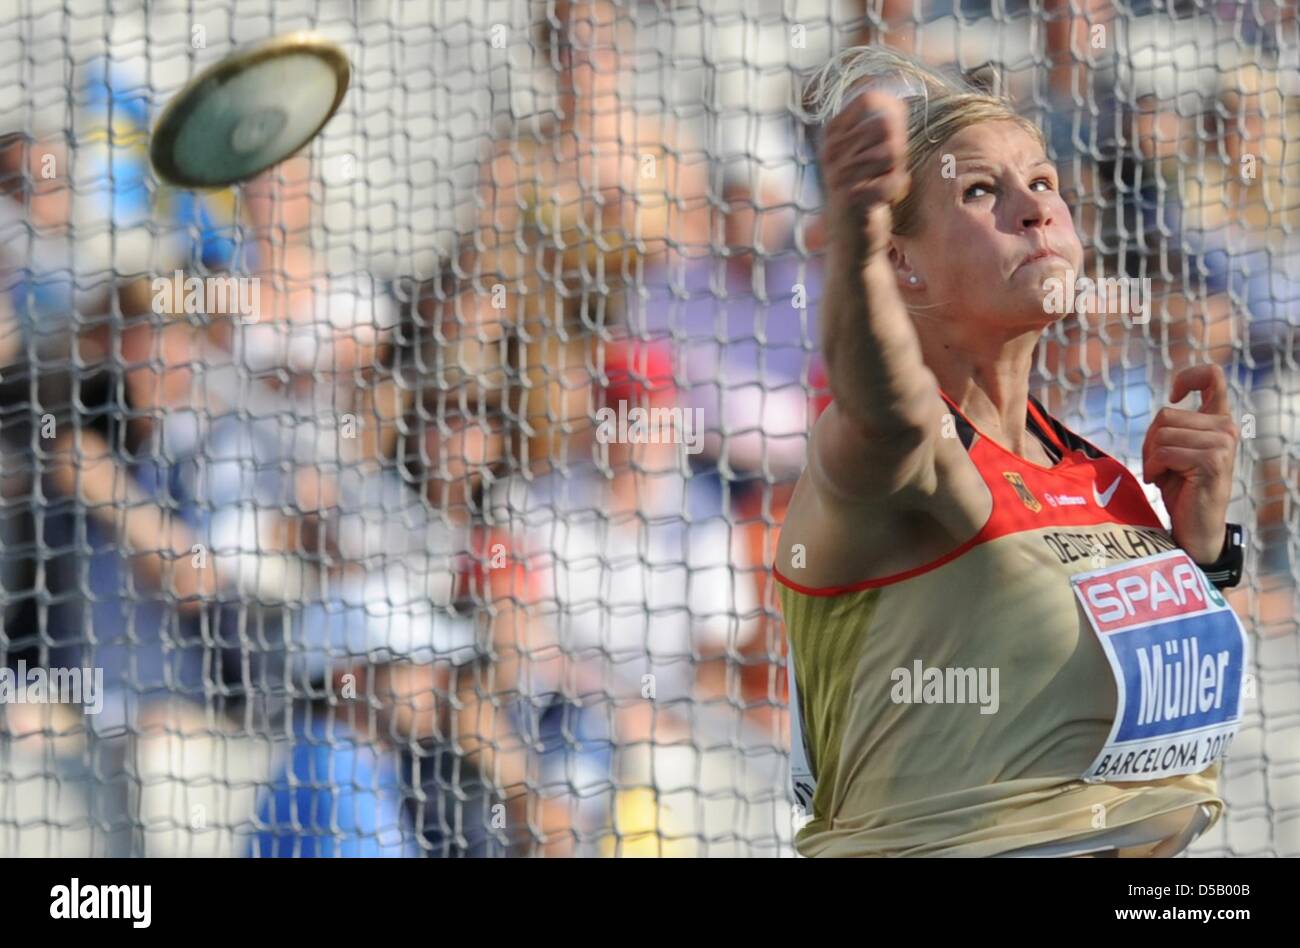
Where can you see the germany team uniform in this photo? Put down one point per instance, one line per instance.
(1065, 682)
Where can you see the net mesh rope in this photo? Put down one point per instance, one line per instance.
(389, 570)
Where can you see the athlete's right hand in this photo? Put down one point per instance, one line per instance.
(863, 159)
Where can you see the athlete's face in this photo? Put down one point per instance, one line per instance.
(992, 202)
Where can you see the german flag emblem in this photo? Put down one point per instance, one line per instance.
(1018, 483)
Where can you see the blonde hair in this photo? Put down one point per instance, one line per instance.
(939, 107)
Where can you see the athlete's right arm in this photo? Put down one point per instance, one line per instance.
(879, 441)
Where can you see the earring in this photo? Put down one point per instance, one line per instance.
(912, 279)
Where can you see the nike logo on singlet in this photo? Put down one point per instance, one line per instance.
(1103, 499)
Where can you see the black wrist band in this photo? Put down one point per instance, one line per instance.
(1225, 572)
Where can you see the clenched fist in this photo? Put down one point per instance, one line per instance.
(863, 159)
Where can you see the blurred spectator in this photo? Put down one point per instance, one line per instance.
(1239, 216)
(1071, 31)
(98, 453)
(146, 575)
(632, 587)
(337, 797)
(316, 331)
(743, 324)
(568, 213)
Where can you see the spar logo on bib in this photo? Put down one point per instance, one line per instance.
(1178, 653)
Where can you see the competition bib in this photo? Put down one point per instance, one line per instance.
(1178, 653)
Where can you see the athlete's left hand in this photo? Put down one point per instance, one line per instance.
(1190, 455)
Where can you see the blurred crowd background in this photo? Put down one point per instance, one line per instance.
(362, 579)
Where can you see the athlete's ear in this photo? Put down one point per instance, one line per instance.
(907, 277)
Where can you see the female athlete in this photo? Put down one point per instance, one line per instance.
(996, 647)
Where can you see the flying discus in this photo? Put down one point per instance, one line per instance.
(996, 646)
(250, 111)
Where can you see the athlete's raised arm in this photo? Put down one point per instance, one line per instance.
(878, 438)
